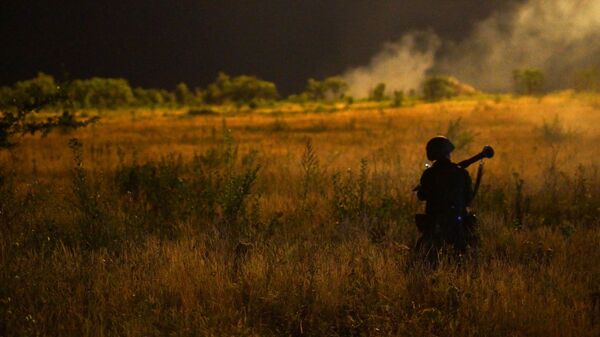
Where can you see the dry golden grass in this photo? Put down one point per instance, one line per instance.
(298, 258)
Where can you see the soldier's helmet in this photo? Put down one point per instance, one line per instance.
(439, 147)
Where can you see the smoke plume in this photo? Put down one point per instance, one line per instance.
(400, 65)
(556, 36)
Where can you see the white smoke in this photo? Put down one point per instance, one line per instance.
(400, 65)
(557, 36)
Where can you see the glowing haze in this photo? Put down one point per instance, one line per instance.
(557, 36)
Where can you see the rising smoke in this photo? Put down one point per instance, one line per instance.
(556, 36)
(400, 65)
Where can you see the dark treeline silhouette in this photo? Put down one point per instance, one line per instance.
(244, 90)
(113, 93)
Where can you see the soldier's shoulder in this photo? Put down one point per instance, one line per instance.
(427, 172)
(461, 170)
(457, 168)
(455, 165)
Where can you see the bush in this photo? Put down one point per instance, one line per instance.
(184, 96)
(365, 201)
(101, 93)
(31, 92)
(152, 97)
(20, 103)
(330, 89)
(438, 87)
(378, 93)
(212, 189)
(298, 98)
(528, 81)
(398, 98)
(240, 90)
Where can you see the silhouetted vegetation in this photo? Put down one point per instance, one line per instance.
(153, 98)
(249, 91)
(398, 98)
(378, 93)
(100, 93)
(19, 108)
(184, 96)
(115, 93)
(437, 88)
(528, 81)
(240, 90)
(330, 89)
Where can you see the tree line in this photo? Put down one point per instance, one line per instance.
(112, 93)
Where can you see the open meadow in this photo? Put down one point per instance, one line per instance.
(300, 223)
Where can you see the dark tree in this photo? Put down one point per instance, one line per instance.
(437, 88)
(528, 81)
(331, 89)
(398, 98)
(378, 93)
(240, 90)
(21, 103)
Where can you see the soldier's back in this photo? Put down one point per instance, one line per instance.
(446, 187)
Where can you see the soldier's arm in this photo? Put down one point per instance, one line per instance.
(424, 187)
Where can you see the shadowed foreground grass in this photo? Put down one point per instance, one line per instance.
(300, 225)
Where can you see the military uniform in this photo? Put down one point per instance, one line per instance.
(447, 190)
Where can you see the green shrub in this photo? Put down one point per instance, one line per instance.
(25, 99)
(40, 90)
(364, 201)
(151, 97)
(185, 97)
(101, 93)
(378, 93)
(240, 90)
(212, 189)
(438, 88)
(398, 98)
(528, 81)
(330, 89)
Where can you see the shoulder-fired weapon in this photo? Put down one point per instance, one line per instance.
(487, 152)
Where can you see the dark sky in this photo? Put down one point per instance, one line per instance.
(160, 43)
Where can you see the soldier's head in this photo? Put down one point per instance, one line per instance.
(438, 148)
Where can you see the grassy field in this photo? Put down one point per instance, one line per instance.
(156, 223)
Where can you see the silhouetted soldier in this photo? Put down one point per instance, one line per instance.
(447, 189)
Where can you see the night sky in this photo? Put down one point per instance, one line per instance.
(160, 43)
